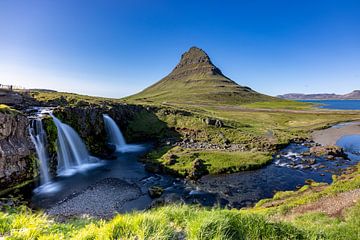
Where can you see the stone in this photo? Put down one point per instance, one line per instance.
(219, 124)
(17, 152)
(334, 151)
(210, 121)
(198, 169)
(172, 159)
(155, 191)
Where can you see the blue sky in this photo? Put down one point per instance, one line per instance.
(117, 48)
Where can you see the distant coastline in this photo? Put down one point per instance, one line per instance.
(354, 95)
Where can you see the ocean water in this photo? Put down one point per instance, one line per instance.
(336, 104)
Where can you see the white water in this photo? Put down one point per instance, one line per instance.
(38, 137)
(116, 137)
(72, 153)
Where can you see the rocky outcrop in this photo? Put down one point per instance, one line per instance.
(198, 169)
(17, 155)
(330, 151)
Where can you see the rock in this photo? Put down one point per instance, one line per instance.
(310, 161)
(209, 121)
(198, 169)
(334, 151)
(152, 167)
(169, 198)
(172, 159)
(219, 124)
(213, 122)
(155, 191)
(17, 152)
(306, 154)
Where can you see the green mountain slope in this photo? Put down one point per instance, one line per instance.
(196, 79)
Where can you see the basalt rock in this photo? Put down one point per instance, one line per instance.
(198, 169)
(331, 151)
(213, 122)
(17, 154)
(155, 191)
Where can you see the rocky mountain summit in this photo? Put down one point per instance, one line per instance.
(195, 79)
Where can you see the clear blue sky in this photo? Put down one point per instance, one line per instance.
(116, 48)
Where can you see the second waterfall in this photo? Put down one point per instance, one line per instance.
(116, 138)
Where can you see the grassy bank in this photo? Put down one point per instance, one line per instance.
(269, 219)
(180, 161)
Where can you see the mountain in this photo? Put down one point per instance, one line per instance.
(195, 79)
(322, 96)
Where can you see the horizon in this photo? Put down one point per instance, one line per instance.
(273, 48)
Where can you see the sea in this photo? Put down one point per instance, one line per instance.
(336, 104)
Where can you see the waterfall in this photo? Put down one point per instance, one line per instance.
(116, 137)
(114, 134)
(72, 152)
(38, 137)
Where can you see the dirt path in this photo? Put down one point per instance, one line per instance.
(333, 206)
(331, 135)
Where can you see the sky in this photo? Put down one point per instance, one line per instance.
(117, 48)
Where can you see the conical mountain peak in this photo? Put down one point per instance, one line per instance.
(194, 61)
(195, 79)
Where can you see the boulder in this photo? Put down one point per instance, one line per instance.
(198, 169)
(333, 151)
(155, 191)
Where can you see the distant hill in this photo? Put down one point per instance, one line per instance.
(322, 96)
(195, 79)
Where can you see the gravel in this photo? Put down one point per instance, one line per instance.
(100, 200)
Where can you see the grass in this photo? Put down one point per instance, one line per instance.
(70, 99)
(291, 199)
(170, 222)
(181, 222)
(6, 109)
(217, 162)
(281, 104)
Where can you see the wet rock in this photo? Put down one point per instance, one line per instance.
(310, 161)
(155, 191)
(152, 167)
(306, 154)
(198, 169)
(334, 151)
(169, 198)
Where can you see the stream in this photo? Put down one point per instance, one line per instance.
(121, 185)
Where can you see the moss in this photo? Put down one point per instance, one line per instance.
(51, 133)
(145, 125)
(217, 162)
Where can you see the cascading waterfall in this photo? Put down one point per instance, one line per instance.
(38, 137)
(72, 152)
(114, 134)
(116, 137)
